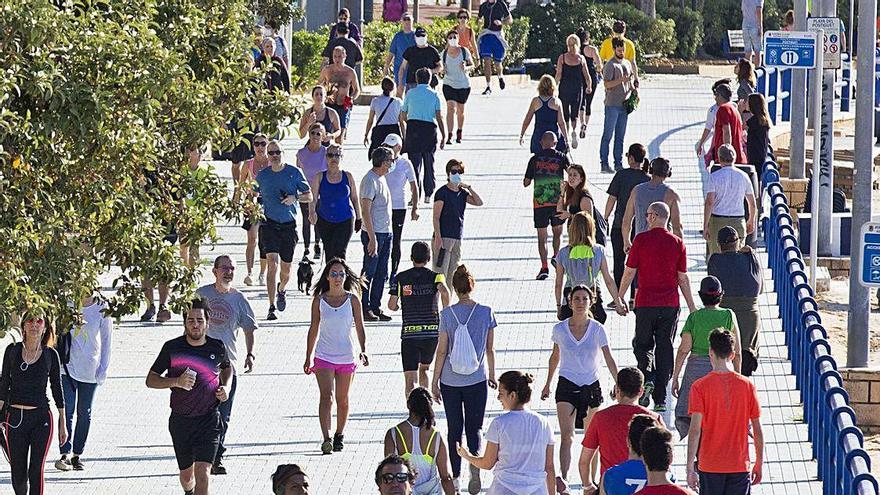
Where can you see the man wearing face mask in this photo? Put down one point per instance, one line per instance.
(449, 205)
(416, 57)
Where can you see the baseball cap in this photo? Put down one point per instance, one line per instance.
(727, 235)
(420, 31)
(710, 286)
(392, 140)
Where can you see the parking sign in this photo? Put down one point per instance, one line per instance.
(832, 42)
(790, 49)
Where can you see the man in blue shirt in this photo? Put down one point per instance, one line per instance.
(402, 40)
(630, 476)
(282, 186)
(421, 109)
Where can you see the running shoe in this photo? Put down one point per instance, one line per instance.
(261, 279)
(77, 464)
(281, 299)
(474, 485)
(501, 83)
(272, 315)
(218, 468)
(338, 442)
(543, 274)
(317, 255)
(583, 131)
(607, 170)
(248, 280)
(163, 315)
(645, 399)
(190, 492)
(370, 316)
(149, 313)
(487, 91)
(458, 136)
(382, 316)
(327, 446)
(63, 464)
(660, 408)
(574, 140)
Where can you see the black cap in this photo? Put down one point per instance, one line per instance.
(420, 31)
(710, 286)
(727, 235)
(342, 28)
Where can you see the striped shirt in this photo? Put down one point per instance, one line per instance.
(417, 290)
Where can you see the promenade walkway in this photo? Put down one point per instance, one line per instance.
(275, 413)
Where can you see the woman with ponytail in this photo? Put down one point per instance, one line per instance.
(406, 440)
(519, 446)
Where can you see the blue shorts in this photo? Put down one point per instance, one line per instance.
(344, 114)
(491, 47)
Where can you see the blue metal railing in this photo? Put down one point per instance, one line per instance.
(838, 443)
(775, 85)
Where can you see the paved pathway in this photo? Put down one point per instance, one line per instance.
(274, 418)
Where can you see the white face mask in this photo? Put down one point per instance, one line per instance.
(422, 41)
(453, 42)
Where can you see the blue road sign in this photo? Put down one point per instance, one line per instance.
(790, 49)
(869, 255)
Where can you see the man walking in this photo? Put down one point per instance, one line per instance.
(342, 86)
(619, 192)
(401, 174)
(376, 233)
(230, 311)
(660, 259)
(197, 370)
(421, 111)
(449, 204)
(727, 190)
(421, 55)
(722, 405)
(728, 124)
(494, 14)
(400, 42)
(416, 294)
(753, 29)
(619, 76)
(339, 39)
(547, 169)
(647, 193)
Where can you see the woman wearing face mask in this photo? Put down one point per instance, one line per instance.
(320, 113)
(457, 61)
(546, 109)
(335, 208)
(28, 366)
(251, 222)
(449, 204)
(422, 55)
(519, 443)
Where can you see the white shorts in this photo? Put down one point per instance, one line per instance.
(752, 40)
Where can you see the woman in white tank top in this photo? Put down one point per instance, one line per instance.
(335, 309)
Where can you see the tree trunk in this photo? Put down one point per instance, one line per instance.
(649, 7)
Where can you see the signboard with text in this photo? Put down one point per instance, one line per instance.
(832, 41)
(869, 255)
(790, 49)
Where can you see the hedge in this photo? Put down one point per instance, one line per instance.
(688, 30)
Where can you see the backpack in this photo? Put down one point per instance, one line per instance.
(463, 358)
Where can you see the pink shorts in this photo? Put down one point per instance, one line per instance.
(320, 364)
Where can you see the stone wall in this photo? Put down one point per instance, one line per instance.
(863, 387)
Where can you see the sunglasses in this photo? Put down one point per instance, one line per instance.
(274, 153)
(389, 478)
(335, 274)
(456, 171)
(334, 155)
(260, 143)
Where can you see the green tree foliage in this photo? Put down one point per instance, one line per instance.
(305, 58)
(551, 23)
(99, 101)
(688, 30)
(276, 13)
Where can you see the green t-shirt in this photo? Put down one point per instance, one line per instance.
(701, 323)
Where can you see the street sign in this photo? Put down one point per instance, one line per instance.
(790, 49)
(869, 255)
(832, 42)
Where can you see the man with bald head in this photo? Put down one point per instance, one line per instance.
(660, 259)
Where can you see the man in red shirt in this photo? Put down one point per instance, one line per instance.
(660, 260)
(722, 404)
(656, 446)
(728, 124)
(609, 428)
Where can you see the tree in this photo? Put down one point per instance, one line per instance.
(100, 100)
(649, 7)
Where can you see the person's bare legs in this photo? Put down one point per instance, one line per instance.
(409, 379)
(202, 477)
(325, 403)
(188, 479)
(149, 293)
(236, 172)
(164, 292)
(557, 238)
(566, 415)
(423, 375)
(487, 71)
(594, 462)
(459, 109)
(271, 275)
(251, 248)
(285, 275)
(343, 385)
(450, 118)
(542, 245)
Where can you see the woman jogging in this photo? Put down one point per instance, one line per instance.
(251, 220)
(312, 160)
(546, 109)
(580, 263)
(406, 440)
(594, 65)
(462, 386)
(519, 443)
(457, 63)
(28, 366)
(319, 112)
(389, 120)
(335, 210)
(574, 81)
(336, 307)
(578, 342)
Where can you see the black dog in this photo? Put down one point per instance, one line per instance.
(304, 275)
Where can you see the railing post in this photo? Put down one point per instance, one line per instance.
(773, 88)
(786, 101)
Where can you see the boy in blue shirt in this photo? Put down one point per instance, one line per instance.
(630, 476)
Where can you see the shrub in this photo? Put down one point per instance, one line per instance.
(688, 30)
(305, 58)
(547, 23)
(377, 38)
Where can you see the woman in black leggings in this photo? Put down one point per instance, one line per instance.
(573, 80)
(335, 208)
(594, 66)
(27, 420)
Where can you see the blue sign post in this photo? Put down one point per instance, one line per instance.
(869, 255)
(790, 49)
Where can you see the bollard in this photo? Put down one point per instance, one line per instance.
(846, 90)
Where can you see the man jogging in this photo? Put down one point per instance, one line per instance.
(198, 372)
(547, 169)
(494, 14)
(230, 311)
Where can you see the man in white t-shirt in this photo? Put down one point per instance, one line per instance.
(401, 173)
(727, 190)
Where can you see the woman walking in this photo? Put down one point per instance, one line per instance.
(28, 366)
(574, 81)
(312, 160)
(89, 357)
(580, 263)
(758, 132)
(251, 220)
(594, 63)
(462, 384)
(406, 440)
(546, 109)
(390, 120)
(335, 209)
(519, 443)
(578, 341)
(457, 63)
(336, 307)
(575, 196)
(465, 31)
(320, 113)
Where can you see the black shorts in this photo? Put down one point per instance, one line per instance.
(582, 398)
(456, 95)
(195, 439)
(546, 215)
(279, 238)
(417, 351)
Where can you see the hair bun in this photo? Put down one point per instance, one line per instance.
(530, 378)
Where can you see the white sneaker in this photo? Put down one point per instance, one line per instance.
(261, 280)
(456, 485)
(574, 140)
(248, 281)
(63, 464)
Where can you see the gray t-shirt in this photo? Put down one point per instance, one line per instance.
(374, 188)
(750, 20)
(456, 77)
(580, 268)
(645, 194)
(479, 325)
(616, 69)
(229, 313)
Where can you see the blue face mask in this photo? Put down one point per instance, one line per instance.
(455, 179)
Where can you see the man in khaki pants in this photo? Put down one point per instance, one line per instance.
(726, 191)
(449, 204)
